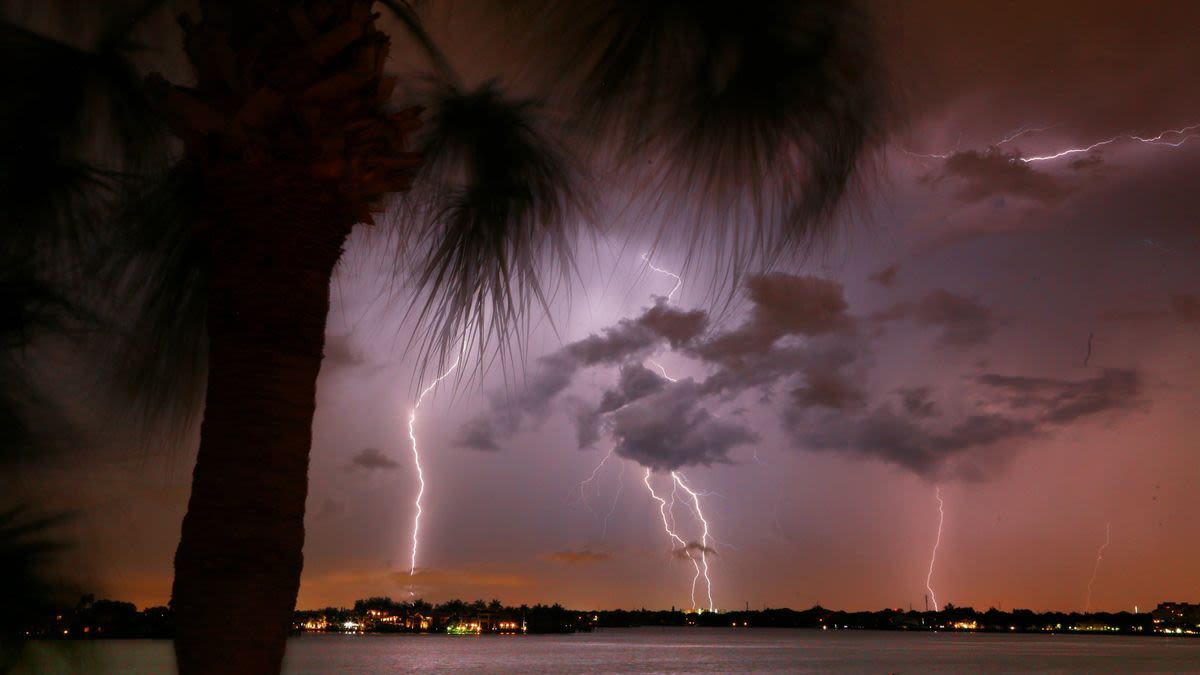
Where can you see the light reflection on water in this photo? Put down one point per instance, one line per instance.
(670, 650)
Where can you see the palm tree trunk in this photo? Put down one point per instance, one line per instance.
(289, 131)
(237, 568)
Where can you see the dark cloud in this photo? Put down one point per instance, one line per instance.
(330, 508)
(340, 352)
(1030, 408)
(635, 382)
(1091, 160)
(917, 401)
(628, 340)
(826, 354)
(670, 429)
(996, 174)
(479, 434)
(685, 552)
(964, 322)
(677, 327)
(1130, 315)
(797, 327)
(586, 419)
(1064, 401)
(894, 437)
(828, 389)
(783, 305)
(580, 557)
(1186, 306)
(1183, 307)
(886, 277)
(372, 459)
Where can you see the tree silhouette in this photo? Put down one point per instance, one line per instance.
(749, 123)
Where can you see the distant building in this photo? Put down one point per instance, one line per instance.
(1177, 616)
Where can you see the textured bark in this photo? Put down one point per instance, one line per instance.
(237, 569)
(289, 134)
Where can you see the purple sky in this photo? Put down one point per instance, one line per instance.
(939, 340)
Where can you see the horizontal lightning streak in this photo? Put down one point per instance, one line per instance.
(1183, 133)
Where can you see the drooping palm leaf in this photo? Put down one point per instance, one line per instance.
(84, 138)
(406, 12)
(744, 122)
(76, 121)
(493, 212)
(158, 273)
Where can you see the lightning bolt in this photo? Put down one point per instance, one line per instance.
(412, 436)
(1021, 132)
(936, 544)
(669, 529)
(703, 537)
(700, 565)
(616, 496)
(592, 479)
(1170, 137)
(678, 280)
(662, 370)
(1096, 569)
(1180, 136)
(699, 562)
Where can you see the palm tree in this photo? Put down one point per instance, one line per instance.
(758, 114)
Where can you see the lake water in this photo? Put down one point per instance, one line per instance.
(671, 650)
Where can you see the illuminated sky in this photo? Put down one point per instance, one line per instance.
(939, 341)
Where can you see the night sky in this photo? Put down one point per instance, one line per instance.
(939, 341)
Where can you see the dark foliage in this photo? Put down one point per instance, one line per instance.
(494, 207)
(748, 121)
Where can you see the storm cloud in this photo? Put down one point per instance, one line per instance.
(372, 459)
(992, 173)
(578, 557)
(783, 305)
(670, 429)
(1013, 410)
(627, 340)
(963, 321)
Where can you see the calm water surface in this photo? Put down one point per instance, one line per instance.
(674, 650)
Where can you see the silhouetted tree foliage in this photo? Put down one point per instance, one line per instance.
(746, 123)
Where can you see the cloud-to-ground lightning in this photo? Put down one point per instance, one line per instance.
(696, 552)
(937, 543)
(1087, 604)
(670, 530)
(412, 437)
(677, 480)
(704, 548)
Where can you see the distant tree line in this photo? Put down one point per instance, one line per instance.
(91, 618)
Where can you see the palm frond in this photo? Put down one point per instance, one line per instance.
(75, 122)
(406, 12)
(748, 121)
(157, 272)
(492, 214)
